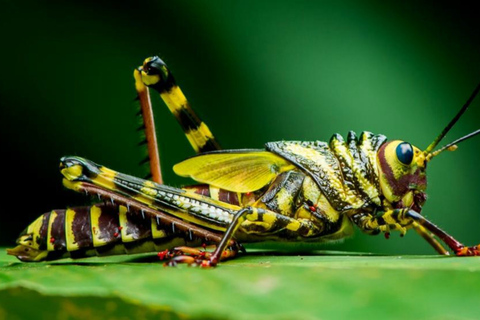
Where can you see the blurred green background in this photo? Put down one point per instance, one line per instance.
(256, 71)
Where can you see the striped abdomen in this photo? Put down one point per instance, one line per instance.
(101, 229)
(105, 229)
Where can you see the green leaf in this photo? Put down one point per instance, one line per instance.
(259, 285)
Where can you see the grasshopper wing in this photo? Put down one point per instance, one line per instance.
(234, 170)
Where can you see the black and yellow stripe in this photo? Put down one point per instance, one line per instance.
(194, 207)
(344, 171)
(156, 75)
(101, 229)
(179, 203)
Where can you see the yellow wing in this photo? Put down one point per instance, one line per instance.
(237, 171)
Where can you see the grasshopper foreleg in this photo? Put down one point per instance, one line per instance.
(430, 238)
(457, 247)
(401, 219)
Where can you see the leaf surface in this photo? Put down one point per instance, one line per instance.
(260, 285)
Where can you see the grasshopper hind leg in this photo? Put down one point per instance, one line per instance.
(457, 247)
(228, 248)
(155, 74)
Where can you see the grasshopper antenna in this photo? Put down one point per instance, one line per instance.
(437, 140)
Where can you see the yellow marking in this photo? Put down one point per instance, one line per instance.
(139, 85)
(72, 172)
(105, 178)
(148, 80)
(69, 235)
(174, 99)
(157, 233)
(122, 217)
(387, 216)
(252, 216)
(310, 188)
(214, 193)
(95, 213)
(312, 192)
(294, 225)
(367, 149)
(329, 212)
(407, 199)
(34, 230)
(198, 137)
(303, 213)
(75, 186)
(108, 173)
(367, 186)
(50, 246)
(308, 153)
(144, 199)
(260, 227)
(351, 194)
(269, 217)
(419, 157)
(399, 169)
(332, 175)
(149, 184)
(240, 197)
(284, 201)
(387, 190)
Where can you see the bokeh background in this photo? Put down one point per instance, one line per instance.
(256, 71)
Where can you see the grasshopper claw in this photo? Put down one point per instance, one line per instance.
(468, 251)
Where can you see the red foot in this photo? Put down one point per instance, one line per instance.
(468, 251)
(196, 257)
(165, 255)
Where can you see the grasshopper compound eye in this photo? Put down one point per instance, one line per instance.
(404, 153)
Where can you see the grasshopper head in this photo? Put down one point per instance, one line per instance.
(402, 174)
(402, 166)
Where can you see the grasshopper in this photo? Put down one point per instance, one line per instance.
(290, 191)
